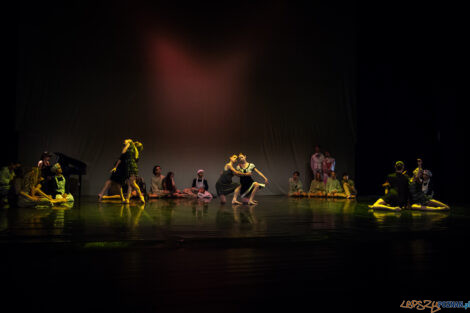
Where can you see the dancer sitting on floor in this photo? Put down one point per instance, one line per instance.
(333, 187)
(118, 176)
(132, 151)
(225, 186)
(169, 186)
(348, 187)
(295, 186)
(156, 187)
(58, 184)
(198, 183)
(317, 186)
(397, 194)
(421, 201)
(428, 187)
(248, 186)
(31, 194)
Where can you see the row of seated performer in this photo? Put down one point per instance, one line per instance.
(403, 192)
(333, 188)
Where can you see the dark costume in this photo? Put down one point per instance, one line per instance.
(247, 182)
(224, 185)
(398, 193)
(120, 174)
(131, 161)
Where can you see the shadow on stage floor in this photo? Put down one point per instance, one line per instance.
(180, 255)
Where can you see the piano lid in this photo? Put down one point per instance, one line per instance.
(70, 165)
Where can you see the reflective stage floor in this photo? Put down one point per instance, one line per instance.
(283, 254)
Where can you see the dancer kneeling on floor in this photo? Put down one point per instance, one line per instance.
(248, 186)
(421, 201)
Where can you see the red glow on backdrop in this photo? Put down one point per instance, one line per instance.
(185, 80)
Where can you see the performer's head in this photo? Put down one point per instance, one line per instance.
(318, 176)
(157, 170)
(399, 166)
(241, 157)
(317, 148)
(233, 158)
(333, 175)
(46, 156)
(56, 169)
(200, 173)
(296, 175)
(327, 154)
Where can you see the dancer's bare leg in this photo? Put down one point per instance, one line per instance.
(436, 203)
(129, 190)
(223, 199)
(252, 196)
(236, 193)
(137, 188)
(382, 205)
(105, 188)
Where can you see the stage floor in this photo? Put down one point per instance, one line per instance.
(179, 255)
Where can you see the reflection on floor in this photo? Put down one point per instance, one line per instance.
(180, 255)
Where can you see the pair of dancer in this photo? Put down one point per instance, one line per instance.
(125, 170)
(403, 189)
(247, 187)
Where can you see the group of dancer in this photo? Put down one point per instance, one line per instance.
(41, 185)
(125, 171)
(402, 192)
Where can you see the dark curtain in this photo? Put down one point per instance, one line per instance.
(194, 85)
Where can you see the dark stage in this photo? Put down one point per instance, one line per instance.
(370, 82)
(179, 255)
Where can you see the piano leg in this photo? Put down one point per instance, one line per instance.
(79, 186)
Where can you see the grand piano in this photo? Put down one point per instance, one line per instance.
(71, 166)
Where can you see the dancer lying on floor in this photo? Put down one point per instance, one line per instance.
(248, 186)
(225, 185)
(421, 201)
